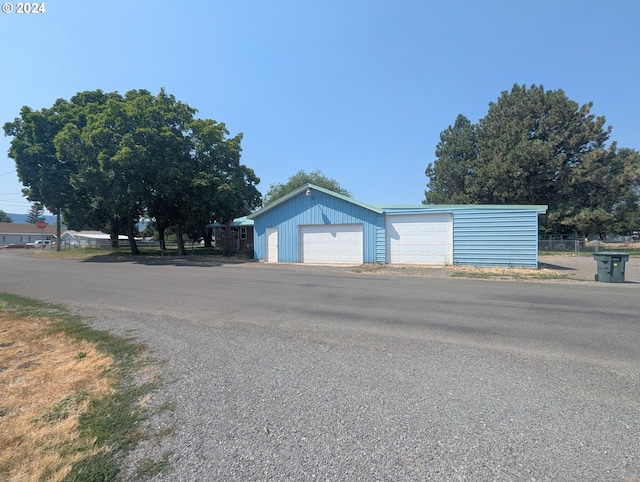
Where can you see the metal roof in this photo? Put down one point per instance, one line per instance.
(237, 222)
(292, 194)
(540, 208)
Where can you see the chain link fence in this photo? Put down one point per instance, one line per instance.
(571, 244)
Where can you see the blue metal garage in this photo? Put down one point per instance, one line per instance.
(315, 225)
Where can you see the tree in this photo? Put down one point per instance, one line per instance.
(226, 187)
(299, 179)
(45, 175)
(4, 217)
(129, 156)
(457, 154)
(627, 209)
(535, 147)
(35, 212)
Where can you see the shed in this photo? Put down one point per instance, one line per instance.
(238, 234)
(315, 225)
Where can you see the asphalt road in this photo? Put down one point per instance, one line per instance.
(284, 372)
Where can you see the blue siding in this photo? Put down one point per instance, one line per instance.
(320, 208)
(483, 235)
(495, 237)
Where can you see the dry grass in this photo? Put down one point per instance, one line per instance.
(524, 274)
(47, 380)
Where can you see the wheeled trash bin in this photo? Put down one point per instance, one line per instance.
(610, 266)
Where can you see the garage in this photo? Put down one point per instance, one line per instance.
(420, 239)
(316, 225)
(340, 244)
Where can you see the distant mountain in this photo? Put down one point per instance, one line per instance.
(22, 218)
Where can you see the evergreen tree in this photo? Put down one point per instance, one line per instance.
(537, 147)
(35, 212)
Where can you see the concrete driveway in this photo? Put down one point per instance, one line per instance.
(279, 372)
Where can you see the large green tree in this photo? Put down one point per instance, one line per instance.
(228, 186)
(535, 147)
(299, 179)
(134, 155)
(45, 175)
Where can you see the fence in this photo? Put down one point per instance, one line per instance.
(569, 243)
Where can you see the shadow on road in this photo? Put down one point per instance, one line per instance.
(194, 261)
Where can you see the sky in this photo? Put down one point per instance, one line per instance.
(359, 89)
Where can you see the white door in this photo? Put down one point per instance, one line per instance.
(271, 235)
(420, 239)
(331, 243)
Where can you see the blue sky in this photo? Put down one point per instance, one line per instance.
(360, 89)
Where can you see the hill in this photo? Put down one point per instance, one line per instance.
(22, 218)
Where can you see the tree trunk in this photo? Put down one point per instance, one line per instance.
(115, 231)
(161, 240)
(180, 241)
(131, 235)
(208, 236)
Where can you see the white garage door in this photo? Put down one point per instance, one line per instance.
(331, 243)
(420, 239)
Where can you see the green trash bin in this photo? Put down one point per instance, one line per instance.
(610, 266)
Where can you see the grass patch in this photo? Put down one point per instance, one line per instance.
(520, 274)
(70, 395)
(149, 468)
(369, 268)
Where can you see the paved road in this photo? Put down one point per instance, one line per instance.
(298, 373)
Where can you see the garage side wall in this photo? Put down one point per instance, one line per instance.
(319, 208)
(495, 238)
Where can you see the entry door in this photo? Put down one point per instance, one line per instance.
(272, 245)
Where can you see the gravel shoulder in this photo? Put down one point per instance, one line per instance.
(290, 372)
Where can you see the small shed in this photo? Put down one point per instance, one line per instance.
(315, 225)
(236, 235)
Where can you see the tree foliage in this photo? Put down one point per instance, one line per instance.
(451, 176)
(299, 179)
(35, 212)
(538, 147)
(4, 217)
(115, 158)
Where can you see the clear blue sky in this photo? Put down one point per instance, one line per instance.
(360, 89)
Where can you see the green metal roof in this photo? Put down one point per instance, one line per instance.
(541, 208)
(237, 222)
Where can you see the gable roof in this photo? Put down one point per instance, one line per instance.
(26, 229)
(301, 189)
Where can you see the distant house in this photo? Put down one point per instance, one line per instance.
(88, 239)
(237, 235)
(18, 233)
